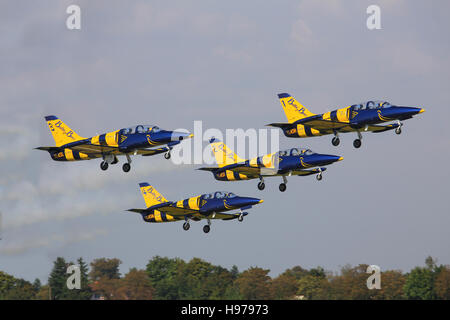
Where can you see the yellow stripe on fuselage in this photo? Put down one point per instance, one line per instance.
(95, 141)
(158, 216)
(111, 138)
(193, 203)
(342, 115)
(69, 154)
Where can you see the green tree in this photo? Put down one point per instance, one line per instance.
(199, 279)
(442, 284)
(297, 272)
(419, 284)
(162, 272)
(392, 283)
(135, 286)
(284, 286)
(254, 284)
(234, 272)
(85, 292)
(351, 284)
(313, 288)
(57, 280)
(12, 288)
(105, 268)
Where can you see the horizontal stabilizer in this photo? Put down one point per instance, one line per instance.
(279, 125)
(137, 210)
(49, 149)
(209, 169)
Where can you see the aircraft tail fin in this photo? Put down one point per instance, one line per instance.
(293, 109)
(224, 156)
(61, 132)
(151, 195)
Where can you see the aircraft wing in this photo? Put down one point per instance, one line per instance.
(242, 168)
(93, 149)
(175, 211)
(308, 172)
(381, 128)
(321, 124)
(98, 150)
(151, 152)
(227, 216)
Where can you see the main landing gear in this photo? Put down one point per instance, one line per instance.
(167, 155)
(335, 141)
(261, 184)
(104, 165)
(207, 228)
(127, 166)
(357, 142)
(186, 226)
(107, 160)
(283, 186)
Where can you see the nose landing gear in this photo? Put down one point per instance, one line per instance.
(398, 130)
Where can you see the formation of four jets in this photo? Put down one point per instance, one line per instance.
(151, 140)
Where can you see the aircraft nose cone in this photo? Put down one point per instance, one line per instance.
(178, 136)
(403, 112)
(247, 201)
(325, 159)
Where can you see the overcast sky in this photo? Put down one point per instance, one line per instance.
(223, 62)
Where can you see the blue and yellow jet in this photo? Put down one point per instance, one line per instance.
(131, 141)
(205, 206)
(360, 117)
(295, 161)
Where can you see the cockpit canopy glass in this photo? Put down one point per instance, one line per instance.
(371, 104)
(296, 152)
(141, 129)
(219, 195)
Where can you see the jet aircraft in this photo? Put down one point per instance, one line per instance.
(130, 141)
(205, 206)
(295, 161)
(360, 117)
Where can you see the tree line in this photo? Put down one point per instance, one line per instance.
(173, 278)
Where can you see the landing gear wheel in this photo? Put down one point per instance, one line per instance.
(261, 186)
(241, 217)
(357, 143)
(319, 177)
(335, 141)
(282, 187)
(206, 229)
(186, 226)
(167, 155)
(398, 130)
(126, 167)
(104, 165)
